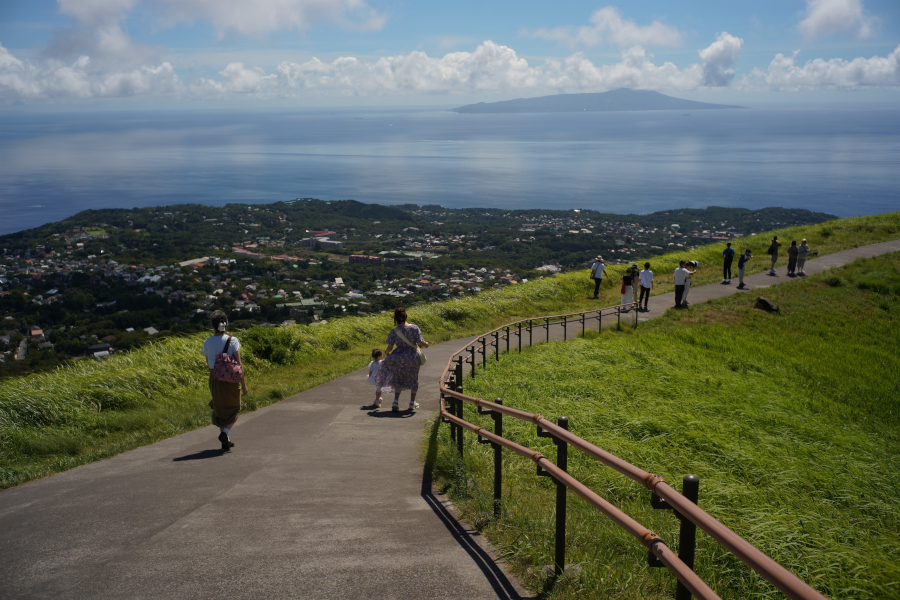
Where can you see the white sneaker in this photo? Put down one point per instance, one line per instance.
(413, 405)
(378, 403)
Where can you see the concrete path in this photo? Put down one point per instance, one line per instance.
(322, 497)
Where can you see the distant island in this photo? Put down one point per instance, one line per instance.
(621, 99)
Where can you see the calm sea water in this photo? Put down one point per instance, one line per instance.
(840, 161)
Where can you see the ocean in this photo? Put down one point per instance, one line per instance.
(840, 161)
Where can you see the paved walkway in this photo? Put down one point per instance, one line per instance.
(322, 497)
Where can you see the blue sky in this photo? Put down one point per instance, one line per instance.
(71, 54)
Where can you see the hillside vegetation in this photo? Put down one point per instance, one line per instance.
(88, 410)
(791, 421)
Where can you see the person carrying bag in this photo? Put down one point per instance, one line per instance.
(400, 367)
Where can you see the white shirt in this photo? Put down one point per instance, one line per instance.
(598, 268)
(646, 278)
(680, 274)
(213, 345)
(374, 368)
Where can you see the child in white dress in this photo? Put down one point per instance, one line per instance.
(374, 368)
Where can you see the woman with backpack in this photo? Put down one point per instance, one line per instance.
(400, 368)
(226, 377)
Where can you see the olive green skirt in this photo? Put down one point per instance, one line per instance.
(225, 403)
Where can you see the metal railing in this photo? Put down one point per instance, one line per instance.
(663, 496)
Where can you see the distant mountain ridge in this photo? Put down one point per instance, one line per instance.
(622, 99)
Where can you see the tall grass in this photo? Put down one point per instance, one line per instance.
(88, 410)
(791, 421)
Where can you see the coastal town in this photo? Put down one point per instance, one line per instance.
(97, 284)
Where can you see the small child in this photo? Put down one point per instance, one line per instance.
(374, 368)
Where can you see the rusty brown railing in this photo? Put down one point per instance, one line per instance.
(663, 495)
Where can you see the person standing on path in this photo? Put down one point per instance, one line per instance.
(627, 290)
(635, 283)
(728, 254)
(742, 265)
(646, 278)
(687, 280)
(802, 254)
(773, 252)
(597, 270)
(400, 369)
(680, 275)
(793, 252)
(226, 395)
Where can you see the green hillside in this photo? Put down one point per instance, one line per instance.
(89, 410)
(791, 421)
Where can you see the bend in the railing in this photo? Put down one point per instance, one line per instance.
(788, 583)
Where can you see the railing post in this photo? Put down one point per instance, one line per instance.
(497, 345)
(484, 352)
(498, 461)
(547, 327)
(530, 328)
(472, 358)
(619, 318)
(562, 461)
(459, 435)
(520, 337)
(565, 320)
(507, 339)
(687, 536)
(448, 402)
(582, 324)
(599, 320)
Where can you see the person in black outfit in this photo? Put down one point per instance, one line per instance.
(728, 254)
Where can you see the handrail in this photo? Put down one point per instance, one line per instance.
(649, 539)
(792, 586)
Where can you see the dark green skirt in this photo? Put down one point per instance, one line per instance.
(225, 403)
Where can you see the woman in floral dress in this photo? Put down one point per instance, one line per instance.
(400, 368)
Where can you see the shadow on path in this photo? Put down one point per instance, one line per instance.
(200, 455)
(494, 575)
(389, 414)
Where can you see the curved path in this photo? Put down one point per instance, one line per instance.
(323, 497)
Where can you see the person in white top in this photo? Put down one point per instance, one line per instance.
(680, 275)
(226, 395)
(687, 281)
(646, 278)
(597, 270)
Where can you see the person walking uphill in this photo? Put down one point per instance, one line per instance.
(400, 368)
(728, 255)
(226, 377)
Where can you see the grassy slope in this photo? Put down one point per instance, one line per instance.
(790, 421)
(86, 411)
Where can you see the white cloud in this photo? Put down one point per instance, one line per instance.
(784, 73)
(836, 17)
(253, 17)
(719, 59)
(608, 27)
(21, 80)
